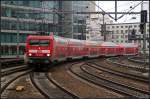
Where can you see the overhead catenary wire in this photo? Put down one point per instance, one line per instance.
(129, 10)
(102, 9)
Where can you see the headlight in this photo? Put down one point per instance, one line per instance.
(48, 54)
(30, 54)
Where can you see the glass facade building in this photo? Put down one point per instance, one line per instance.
(22, 18)
(79, 20)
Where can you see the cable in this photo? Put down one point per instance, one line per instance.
(129, 10)
(118, 6)
(102, 10)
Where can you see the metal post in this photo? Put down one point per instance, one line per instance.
(144, 39)
(17, 36)
(103, 27)
(115, 10)
(144, 43)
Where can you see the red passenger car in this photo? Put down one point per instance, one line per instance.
(48, 49)
(129, 48)
(109, 49)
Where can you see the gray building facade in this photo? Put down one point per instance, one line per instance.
(22, 18)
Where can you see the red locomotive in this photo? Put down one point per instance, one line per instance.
(48, 49)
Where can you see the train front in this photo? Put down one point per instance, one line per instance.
(38, 50)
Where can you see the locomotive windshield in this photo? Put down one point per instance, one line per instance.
(39, 42)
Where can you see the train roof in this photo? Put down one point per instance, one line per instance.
(109, 44)
(128, 45)
(94, 43)
(38, 37)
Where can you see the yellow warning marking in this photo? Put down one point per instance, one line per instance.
(20, 88)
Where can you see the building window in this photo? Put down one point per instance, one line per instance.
(117, 31)
(139, 30)
(139, 26)
(117, 26)
(112, 26)
(121, 31)
(126, 26)
(135, 25)
(121, 26)
(130, 26)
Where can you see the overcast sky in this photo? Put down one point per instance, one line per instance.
(123, 6)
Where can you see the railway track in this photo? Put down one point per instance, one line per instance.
(137, 67)
(6, 63)
(139, 59)
(48, 87)
(115, 69)
(107, 83)
(79, 87)
(8, 71)
(12, 78)
(120, 80)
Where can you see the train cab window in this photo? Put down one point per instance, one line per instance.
(34, 43)
(44, 42)
(39, 42)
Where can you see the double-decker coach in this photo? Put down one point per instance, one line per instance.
(129, 48)
(48, 49)
(109, 49)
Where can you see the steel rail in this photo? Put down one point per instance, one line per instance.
(127, 86)
(15, 78)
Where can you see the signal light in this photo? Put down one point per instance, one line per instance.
(30, 54)
(143, 16)
(142, 28)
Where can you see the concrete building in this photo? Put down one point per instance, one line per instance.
(120, 33)
(79, 20)
(94, 23)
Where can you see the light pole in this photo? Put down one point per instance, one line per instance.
(17, 36)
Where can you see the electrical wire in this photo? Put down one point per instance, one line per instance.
(129, 10)
(102, 9)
